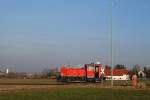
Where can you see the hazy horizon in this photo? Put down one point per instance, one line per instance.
(37, 34)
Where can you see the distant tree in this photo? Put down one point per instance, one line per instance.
(46, 73)
(120, 66)
(135, 70)
(11, 75)
(147, 71)
(108, 67)
(54, 72)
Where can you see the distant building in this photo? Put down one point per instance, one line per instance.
(4, 72)
(118, 74)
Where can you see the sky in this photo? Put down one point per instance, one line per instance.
(38, 34)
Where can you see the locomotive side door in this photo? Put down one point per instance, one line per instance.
(98, 72)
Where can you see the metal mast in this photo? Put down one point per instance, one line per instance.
(111, 42)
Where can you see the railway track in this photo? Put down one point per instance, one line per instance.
(57, 83)
(33, 84)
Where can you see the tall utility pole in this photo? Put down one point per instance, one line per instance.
(111, 42)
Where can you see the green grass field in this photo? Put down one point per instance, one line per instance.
(43, 89)
(77, 94)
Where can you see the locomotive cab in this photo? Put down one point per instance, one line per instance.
(93, 72)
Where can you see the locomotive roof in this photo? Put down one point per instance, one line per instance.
(74, 66)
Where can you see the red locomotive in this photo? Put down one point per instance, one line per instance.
(89, 72)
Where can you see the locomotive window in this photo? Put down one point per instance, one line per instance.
(91, 68)
(96, 69)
